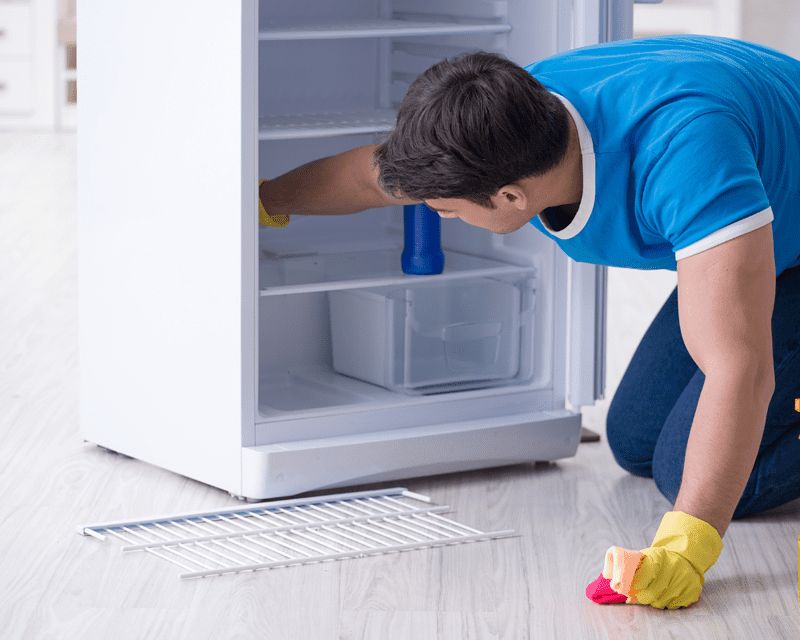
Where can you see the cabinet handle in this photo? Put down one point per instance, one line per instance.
(2, 33)
(2, 86)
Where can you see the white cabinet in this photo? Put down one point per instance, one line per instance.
(27, 64)
(206, 342)
(16, 87)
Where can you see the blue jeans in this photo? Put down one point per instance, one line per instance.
(651, 414)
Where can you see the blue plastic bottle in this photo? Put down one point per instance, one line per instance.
(422, 254)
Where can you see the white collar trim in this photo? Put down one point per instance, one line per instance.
(587, 198)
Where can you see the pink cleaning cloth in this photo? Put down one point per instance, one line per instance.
(600, 591)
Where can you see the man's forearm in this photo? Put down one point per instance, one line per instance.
(723, 446)
(340, 184)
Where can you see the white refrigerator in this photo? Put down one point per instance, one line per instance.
(271, 362)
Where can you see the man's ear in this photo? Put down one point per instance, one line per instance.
(514, 195)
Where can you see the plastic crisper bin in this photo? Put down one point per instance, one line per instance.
(429, 339)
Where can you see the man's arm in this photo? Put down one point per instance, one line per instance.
(344, 183)
(725, 300)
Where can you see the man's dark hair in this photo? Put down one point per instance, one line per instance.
(469, 126)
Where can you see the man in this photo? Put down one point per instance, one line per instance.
(665, 153)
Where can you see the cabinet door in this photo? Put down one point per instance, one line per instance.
(16, 86)
(16, 30)
(27, 64)
(167, 219)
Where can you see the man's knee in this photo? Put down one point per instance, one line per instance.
(668, 479)
(630, 452)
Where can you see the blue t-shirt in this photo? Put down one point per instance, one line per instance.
(687, 142)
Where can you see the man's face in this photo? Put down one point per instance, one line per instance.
(494, 220)
(509, 215)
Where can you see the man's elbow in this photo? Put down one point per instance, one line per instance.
(765, 382)
(750, 377)
(760, 370)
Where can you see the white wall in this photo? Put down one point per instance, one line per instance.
(775, 23)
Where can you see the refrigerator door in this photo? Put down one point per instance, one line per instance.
(593, 21)
(586, 334)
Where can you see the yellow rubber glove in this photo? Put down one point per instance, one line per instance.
(669, 573)
(265, 219)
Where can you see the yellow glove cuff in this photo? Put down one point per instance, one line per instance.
(265, 219)
(694, 539)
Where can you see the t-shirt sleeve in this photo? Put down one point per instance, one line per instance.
(705, 188)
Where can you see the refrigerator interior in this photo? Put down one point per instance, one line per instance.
(332, 297)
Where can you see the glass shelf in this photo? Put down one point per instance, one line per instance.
(374, 28)
(316, 272)
(321, 125)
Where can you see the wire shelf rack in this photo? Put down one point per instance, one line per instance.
(375, 28)
(283, 533)
(322, 125)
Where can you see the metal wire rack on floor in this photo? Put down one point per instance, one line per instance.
(283, 533)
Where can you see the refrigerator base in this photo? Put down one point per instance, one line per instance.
(291, 468)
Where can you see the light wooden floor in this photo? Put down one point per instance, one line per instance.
(56, 584)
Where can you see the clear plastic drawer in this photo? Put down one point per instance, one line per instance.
(430, 338)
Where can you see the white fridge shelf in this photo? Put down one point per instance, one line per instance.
(374, 28)
(321, 125)
(316, 272)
